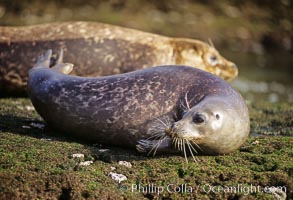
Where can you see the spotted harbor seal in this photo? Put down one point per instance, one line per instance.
(158, 109)
(99, 49)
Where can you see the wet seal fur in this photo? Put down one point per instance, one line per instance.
(159, 109)
(99, 49)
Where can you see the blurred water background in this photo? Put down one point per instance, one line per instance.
(255, 34)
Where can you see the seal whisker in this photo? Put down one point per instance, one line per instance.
(192, 147)
(190, 150)
(183, 106)
(211, 42)
(186, 101)
(154, 136)
(159, 143)
(200, 98)
(168, 121)
(181, 144)
(159, 130)
(156, 146)
(163, 123)
(184, 150)
(175, 142)
(196, 146)
(154, 132)
(152, 149)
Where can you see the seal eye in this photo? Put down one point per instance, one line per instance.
(198, 119)
(213, 60)
(217, 116)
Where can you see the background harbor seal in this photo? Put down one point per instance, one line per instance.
(155, 109)
(98, 50)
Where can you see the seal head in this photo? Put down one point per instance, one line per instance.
(196, 53)
(211, 127)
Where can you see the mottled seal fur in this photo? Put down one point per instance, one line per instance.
(99, 49)
(157, 109)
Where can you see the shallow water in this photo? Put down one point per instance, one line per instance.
(265, 76)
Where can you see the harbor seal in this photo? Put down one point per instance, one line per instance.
(159, 109)
(99, 49)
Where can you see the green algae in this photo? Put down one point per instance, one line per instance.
(41, 165)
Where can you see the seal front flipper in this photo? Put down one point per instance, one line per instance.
(155, 146)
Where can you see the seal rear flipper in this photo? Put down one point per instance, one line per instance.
(43, 61)
(60, 56)
(64, 68)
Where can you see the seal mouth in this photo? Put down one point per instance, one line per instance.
(230, 73)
